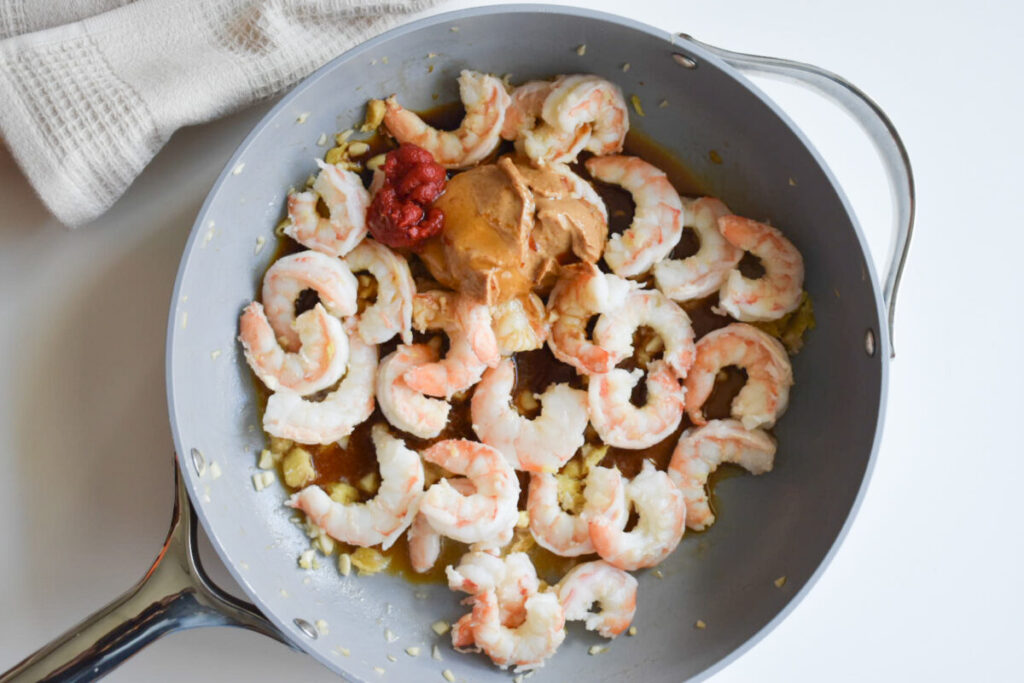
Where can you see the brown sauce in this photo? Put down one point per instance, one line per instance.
(536, 370)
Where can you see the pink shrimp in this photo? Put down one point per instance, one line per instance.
(702, 449)
(385, 517)
(621, 424)
(657, 223)
(598, 582)
(473, 348)
(486, 516)
(582, 292)
(778, 291)
(319, 362)
(542, 444)
(347, 201)
(485, 100)
(290, 275)
(659, 528)
(769, 374)
(566, 534)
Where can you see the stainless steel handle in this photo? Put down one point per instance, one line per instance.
(876, 126)
(175, 594)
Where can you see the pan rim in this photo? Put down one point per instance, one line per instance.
(880, 329)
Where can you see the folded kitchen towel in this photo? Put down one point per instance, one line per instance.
(91, 90)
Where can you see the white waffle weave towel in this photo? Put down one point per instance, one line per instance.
(90, 90)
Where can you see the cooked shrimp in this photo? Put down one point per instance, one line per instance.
(614, 329)
(582, 292)
(526, 646)
(404, 408)
(769, 375)
(537, 140)
(657, 223)
(621, 424)
(520, 324)
(778, 291)
(289, 416)
(381, 519)
(524, 107)
(424, 541)
(599, 582)
(485, 100)
(319, 362)
(481, 517)
(659, 528)
(462, 634)
(542, 444)
(473, 348)
(346, 200)
(290, 275)
(566, 534)
(512, 577)
(584, 99)
(702, 273)
(702, 449)
(391, 313)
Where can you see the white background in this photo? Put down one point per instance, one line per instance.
(928, 583)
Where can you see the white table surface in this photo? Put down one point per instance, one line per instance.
(927, 585)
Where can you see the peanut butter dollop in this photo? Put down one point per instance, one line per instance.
(509, 228)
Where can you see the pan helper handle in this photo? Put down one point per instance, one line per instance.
(876, 126)
(174, 595)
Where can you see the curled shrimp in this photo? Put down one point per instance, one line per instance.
(381, 519)
(582, 292)
(657, 223)
(769, 374)
(615, 328)
(347, 201)
(659, 528)
(525, 646)
(288, 276)
(485, 100)
(404, 408)
(621, 424)
(289, 416)
(473, 348)
(490, 512)
(513, 578)
(704, 272)
(536, 139)
(566, 534)
(702, 449)
(586, 100)
(599, 582)
(778, 291)
(542, 444)
(319, 362)
(391, 313)
(424, 541)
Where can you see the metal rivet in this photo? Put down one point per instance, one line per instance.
(869, 343)
(683, 60)
(306, 628)
(199, 462)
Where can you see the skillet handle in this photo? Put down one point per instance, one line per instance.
(174, 595)
(876, 126)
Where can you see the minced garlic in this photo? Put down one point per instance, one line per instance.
(343, 492)
(369, 561)
(297, 467)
